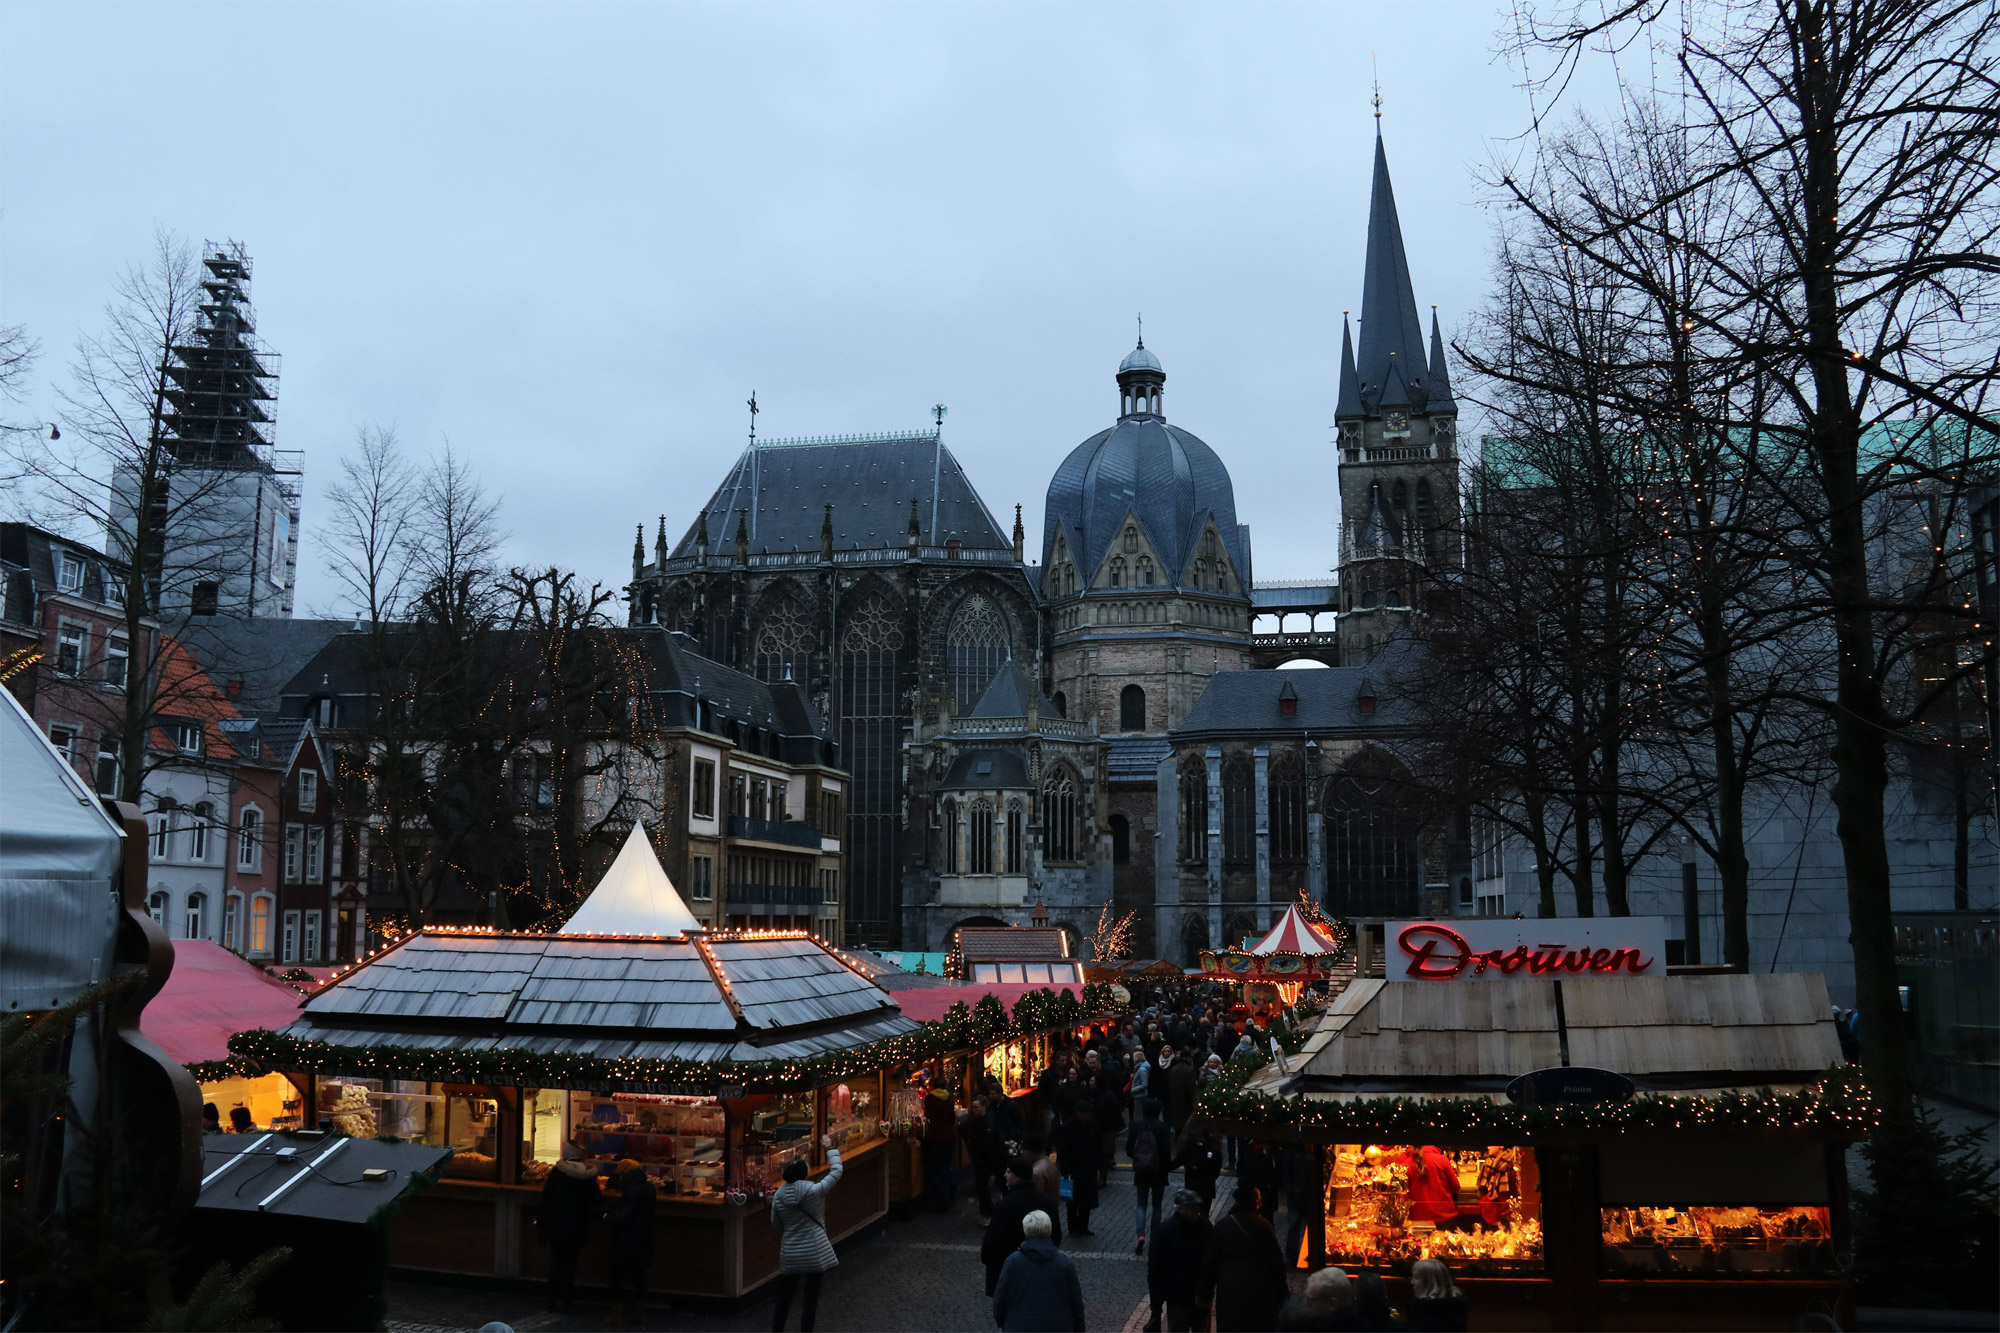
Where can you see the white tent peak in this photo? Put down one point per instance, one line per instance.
(1293, 934)
(635, 897)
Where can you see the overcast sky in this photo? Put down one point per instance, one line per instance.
(573, 238)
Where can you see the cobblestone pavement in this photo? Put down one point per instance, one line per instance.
(923, 1274)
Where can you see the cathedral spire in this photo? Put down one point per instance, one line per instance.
(1349, 404)
(1439, 382)
(1390, 325)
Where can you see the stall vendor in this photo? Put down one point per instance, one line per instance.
(1433, 1185)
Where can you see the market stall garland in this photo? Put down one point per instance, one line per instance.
(1840, 1101)
(961, 1027)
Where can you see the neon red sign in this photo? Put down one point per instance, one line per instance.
(1440, 953)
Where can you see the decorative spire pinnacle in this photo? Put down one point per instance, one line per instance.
(660, 542)
(1349, 402)
(1376, 100)
(1390, 326)
(1439, 381)
(1020, 536)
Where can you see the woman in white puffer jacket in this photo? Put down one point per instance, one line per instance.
(798, 1211)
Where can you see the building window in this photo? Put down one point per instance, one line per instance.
(1288, 808)
(1015, 842)
(829, 886)
(157, 906)
(951, 837)
(315, 854)
(760, 798)
(1145, 571)
(979, 843)
(204, 815)
(110, 768)
(787, 633)
(1131, 709)
(704, 789)
(534, 782)
(1117, 572)
(872, 663)
(295, 848)
(701, 875)
(260, 925)
(71, 641)
(1121, 840)
(232, 921)
(1239, 812)
(163, 830)
(1059, 816)
(311, 942)
(117, 661)
(205, 600)
(1131, 539)
(1372, 864)
(975, 648)
(1194, 810)
(250, 839)
(196, 918)
(1061, 701)
(308, 790)
(739, 795)
(64, 739)
(291, 949)
(188, 737)
(69, 574)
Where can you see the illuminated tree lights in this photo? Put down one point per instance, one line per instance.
(261, 1051)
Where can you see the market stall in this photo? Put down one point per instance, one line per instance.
(711, 1059)
(1595, 1151)
(211, 994)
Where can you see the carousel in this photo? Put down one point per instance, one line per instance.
(1302, 948)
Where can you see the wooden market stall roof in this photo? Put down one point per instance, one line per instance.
(712, 998)
(1012, 944)
(1666, 1034)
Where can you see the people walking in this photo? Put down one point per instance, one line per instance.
(1173, 1270)
(631, 1241)
(570, 1200)
(798, 1211)
(1243, 1275)
(941, 1149)
(1437, 1304)
(1077, 1150)
(1199, 1156)
(1149, 1146)
(982, 1151)
(1182, 1086)
(1038, 1291)
(1003, 1233)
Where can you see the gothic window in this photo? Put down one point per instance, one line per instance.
(871, 726)
(1121, 840)
(1288, 807)
(979, 839)
(975, 646)
(1131, 539)
(1059, 816)
(1399, 496)
(1016, 821)
(1131, 709)
(948, 816)
(1145, 576)
(1118, 571)
(1194, 938)
(1194, 810)
(1371, 865)
(785, 639)
(1061, 701)
(1239, 812)
(1424, 505)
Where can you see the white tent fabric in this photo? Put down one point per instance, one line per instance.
(1293, 934)
(60, 855)
(635, 897)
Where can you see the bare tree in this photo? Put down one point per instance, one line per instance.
(370, 538)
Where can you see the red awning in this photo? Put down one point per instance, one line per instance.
(930, 1003)
(211, 995)
(1293, 934)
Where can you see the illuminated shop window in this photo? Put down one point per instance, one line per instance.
(1478, 1209)
(1693, 1240)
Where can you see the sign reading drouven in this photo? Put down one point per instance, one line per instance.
(1488, 948)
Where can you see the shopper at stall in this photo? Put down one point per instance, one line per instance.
(1003, 1233)
(1149, 1146)
(211, 1118)
(240, 1121)
(1371, 1304)
(941, 1149)
(798, 1211)
(1077, 1147)
(1243, 1274)
(1038, 1291)
(1004, 1114)
(1110, 1113)
(570, 1200)
(1437, 1303)
(631, 1220)
(1326, 1305)
(1173, 1272)
(982, 1152)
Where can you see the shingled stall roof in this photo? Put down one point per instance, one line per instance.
(715, 999)
(1701, 1034)
(1010, 944)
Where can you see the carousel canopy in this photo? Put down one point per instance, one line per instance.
(635, 897)
(1294, 934)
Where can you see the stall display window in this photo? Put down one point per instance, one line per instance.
(471, 1129)
(542, 1132)
(854, 1111)
(365, 1108)
(776, 1129)
(1475, 1208)
(1017, 1064)
(1778, 1241)
(678, 1140)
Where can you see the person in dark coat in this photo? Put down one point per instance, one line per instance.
(1295, 1179)
(1437, 1303)
(1003, 1113)
(1149, 1146)
(1077, 1146)
(631, 1241)
(1183, 1082)
(1326, 1306)
(570, 1199)
(1173, 1270)
(1371, 1304)
(1243, 1275)
(1038, 1291)
(1199, 1156)
(983, 1152)
(941, 1149)
(1003, 1232)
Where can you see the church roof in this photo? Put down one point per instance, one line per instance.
(1392, 365)
(1008, 694)
(1167, 476)
(1139, 359)
(1242, 703)
(989, 770)
(781, 491)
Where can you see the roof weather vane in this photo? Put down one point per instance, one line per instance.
(937, 414)
(754, 409)
(1376, 100)
(1142, 328)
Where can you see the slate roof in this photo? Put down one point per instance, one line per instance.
(1391, 365)
(1137, 759)
(263, 653)
(603, 996)
(1008, 694)
(782, 491)
(1003, 769)
(1238, 703)
(1010, 944)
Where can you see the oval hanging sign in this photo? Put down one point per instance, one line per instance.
(1570, 1083)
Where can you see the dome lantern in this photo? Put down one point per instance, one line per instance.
(1141, 383)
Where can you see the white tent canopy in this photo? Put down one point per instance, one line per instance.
(60, 856)
(635, 897)
(1293, 934)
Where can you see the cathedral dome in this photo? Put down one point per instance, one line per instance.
(1165, 476)
(1139, 359)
